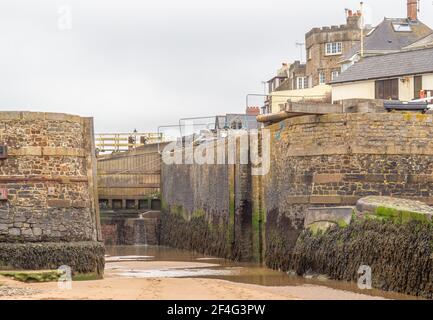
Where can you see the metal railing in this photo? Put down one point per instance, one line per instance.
(118, 142)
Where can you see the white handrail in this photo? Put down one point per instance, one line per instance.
(423, 100)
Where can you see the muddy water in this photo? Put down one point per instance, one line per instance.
(214, 268)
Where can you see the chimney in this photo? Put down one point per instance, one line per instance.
(412, 10)
(253, 111)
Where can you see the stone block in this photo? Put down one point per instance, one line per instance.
(59, 203)
(336, 215)
(37, 232)
(325, 199)
(14, 231)
(324, 178)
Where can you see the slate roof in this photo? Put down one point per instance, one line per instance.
(424, 42)
(385, 39)
(389, 65)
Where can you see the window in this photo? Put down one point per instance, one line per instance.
(3, 151)
(309, 53)
(322, 78)
(302, 82)
(387, 89)
(335, 74)
(402, 27)
(334, 48)
(417, 86)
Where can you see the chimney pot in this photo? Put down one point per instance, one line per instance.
(253, 111)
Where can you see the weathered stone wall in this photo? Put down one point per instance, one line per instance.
(316, 161)
(131, 231)
(49, 175)
(208, 208)
(335, 160)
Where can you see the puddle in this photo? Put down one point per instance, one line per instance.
(109, 258)
(173, 273)
(185, 264)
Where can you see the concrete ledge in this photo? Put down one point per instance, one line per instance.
(335, 215)
(29, 116)
(47, 151)
(37, 178)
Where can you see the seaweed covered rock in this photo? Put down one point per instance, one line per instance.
(397, 209)
(394, 237)
(84, 258)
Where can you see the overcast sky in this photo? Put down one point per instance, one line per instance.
(143, 63)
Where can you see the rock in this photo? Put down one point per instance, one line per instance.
(395, 208)
(15, 231)
(37, 232)
(27, 232)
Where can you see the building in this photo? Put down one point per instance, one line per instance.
(309, 81)
(425, 42)
(238, 121)
(333, 50)
(394, 76)
(391, 35)
(326, 46)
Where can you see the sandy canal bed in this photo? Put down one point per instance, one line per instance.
(155, 280)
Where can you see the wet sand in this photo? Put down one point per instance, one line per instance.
(120, 286)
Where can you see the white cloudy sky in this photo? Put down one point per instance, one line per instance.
(143, 63)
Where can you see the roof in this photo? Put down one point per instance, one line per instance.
(389, 65)
(424, 42)
(384, 38)
(248, 121)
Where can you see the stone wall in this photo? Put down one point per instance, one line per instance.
(208, 208)
(316, 161)
(335, 160)
(49, 176)
(118, 230)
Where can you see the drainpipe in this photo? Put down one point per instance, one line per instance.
(362, 30)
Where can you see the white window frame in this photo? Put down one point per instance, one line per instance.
(322, 78)
(302, 82)
(335, 74)
(333, 48)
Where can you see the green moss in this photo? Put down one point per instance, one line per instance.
(198, 213)
(180, 211)
(231, 227)
(316, 229)
(86, 277)
(46, 276)
(33, 276)
(342, 224)
(256, 229)
(164, 206)
(400, 216)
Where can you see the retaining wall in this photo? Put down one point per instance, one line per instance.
(316, 161)
(48, 176)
